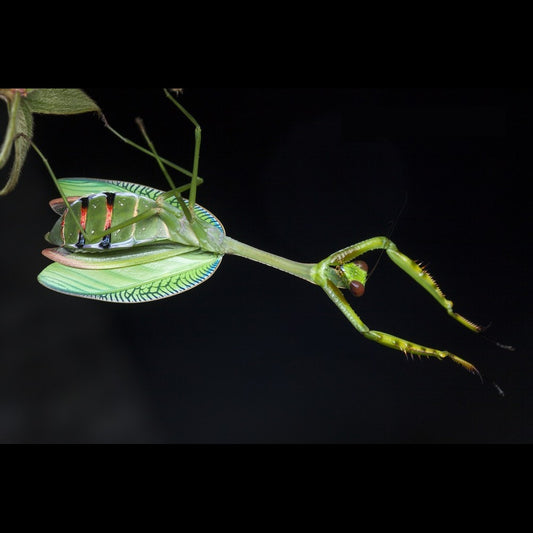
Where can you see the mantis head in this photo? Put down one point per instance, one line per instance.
(353, 276)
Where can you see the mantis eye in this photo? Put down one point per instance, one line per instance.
(361, 264)
(357, 288)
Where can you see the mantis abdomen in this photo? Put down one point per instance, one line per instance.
(97, 213)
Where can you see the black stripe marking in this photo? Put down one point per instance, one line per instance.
(106, 239)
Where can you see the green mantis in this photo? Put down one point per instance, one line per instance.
(127, 243)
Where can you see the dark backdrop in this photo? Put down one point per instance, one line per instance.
(254, 355)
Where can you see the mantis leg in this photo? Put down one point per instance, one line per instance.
(386, 339)
(195, 179)
(408, 265)
(324, 276)
(197, 140)
(142, 216)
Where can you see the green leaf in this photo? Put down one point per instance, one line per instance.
(21, 104)
(60, 101)
(22, 120)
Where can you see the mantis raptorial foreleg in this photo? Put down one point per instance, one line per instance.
(326, 276)
(408, 265)
(391, 341)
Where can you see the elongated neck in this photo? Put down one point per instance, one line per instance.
(301, 270)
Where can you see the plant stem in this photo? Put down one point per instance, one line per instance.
(300, 270)
(10, 132)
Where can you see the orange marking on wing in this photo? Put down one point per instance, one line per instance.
(108, 215)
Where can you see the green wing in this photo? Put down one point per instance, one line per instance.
(87, 186)
(151, 280)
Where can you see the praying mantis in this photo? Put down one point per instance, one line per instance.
(123, 242)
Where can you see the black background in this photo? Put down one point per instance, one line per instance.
(254, 355)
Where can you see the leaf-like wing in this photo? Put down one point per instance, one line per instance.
(137, 283)
(88, 186)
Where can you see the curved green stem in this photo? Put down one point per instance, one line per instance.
(7, 145)
(10, 131)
